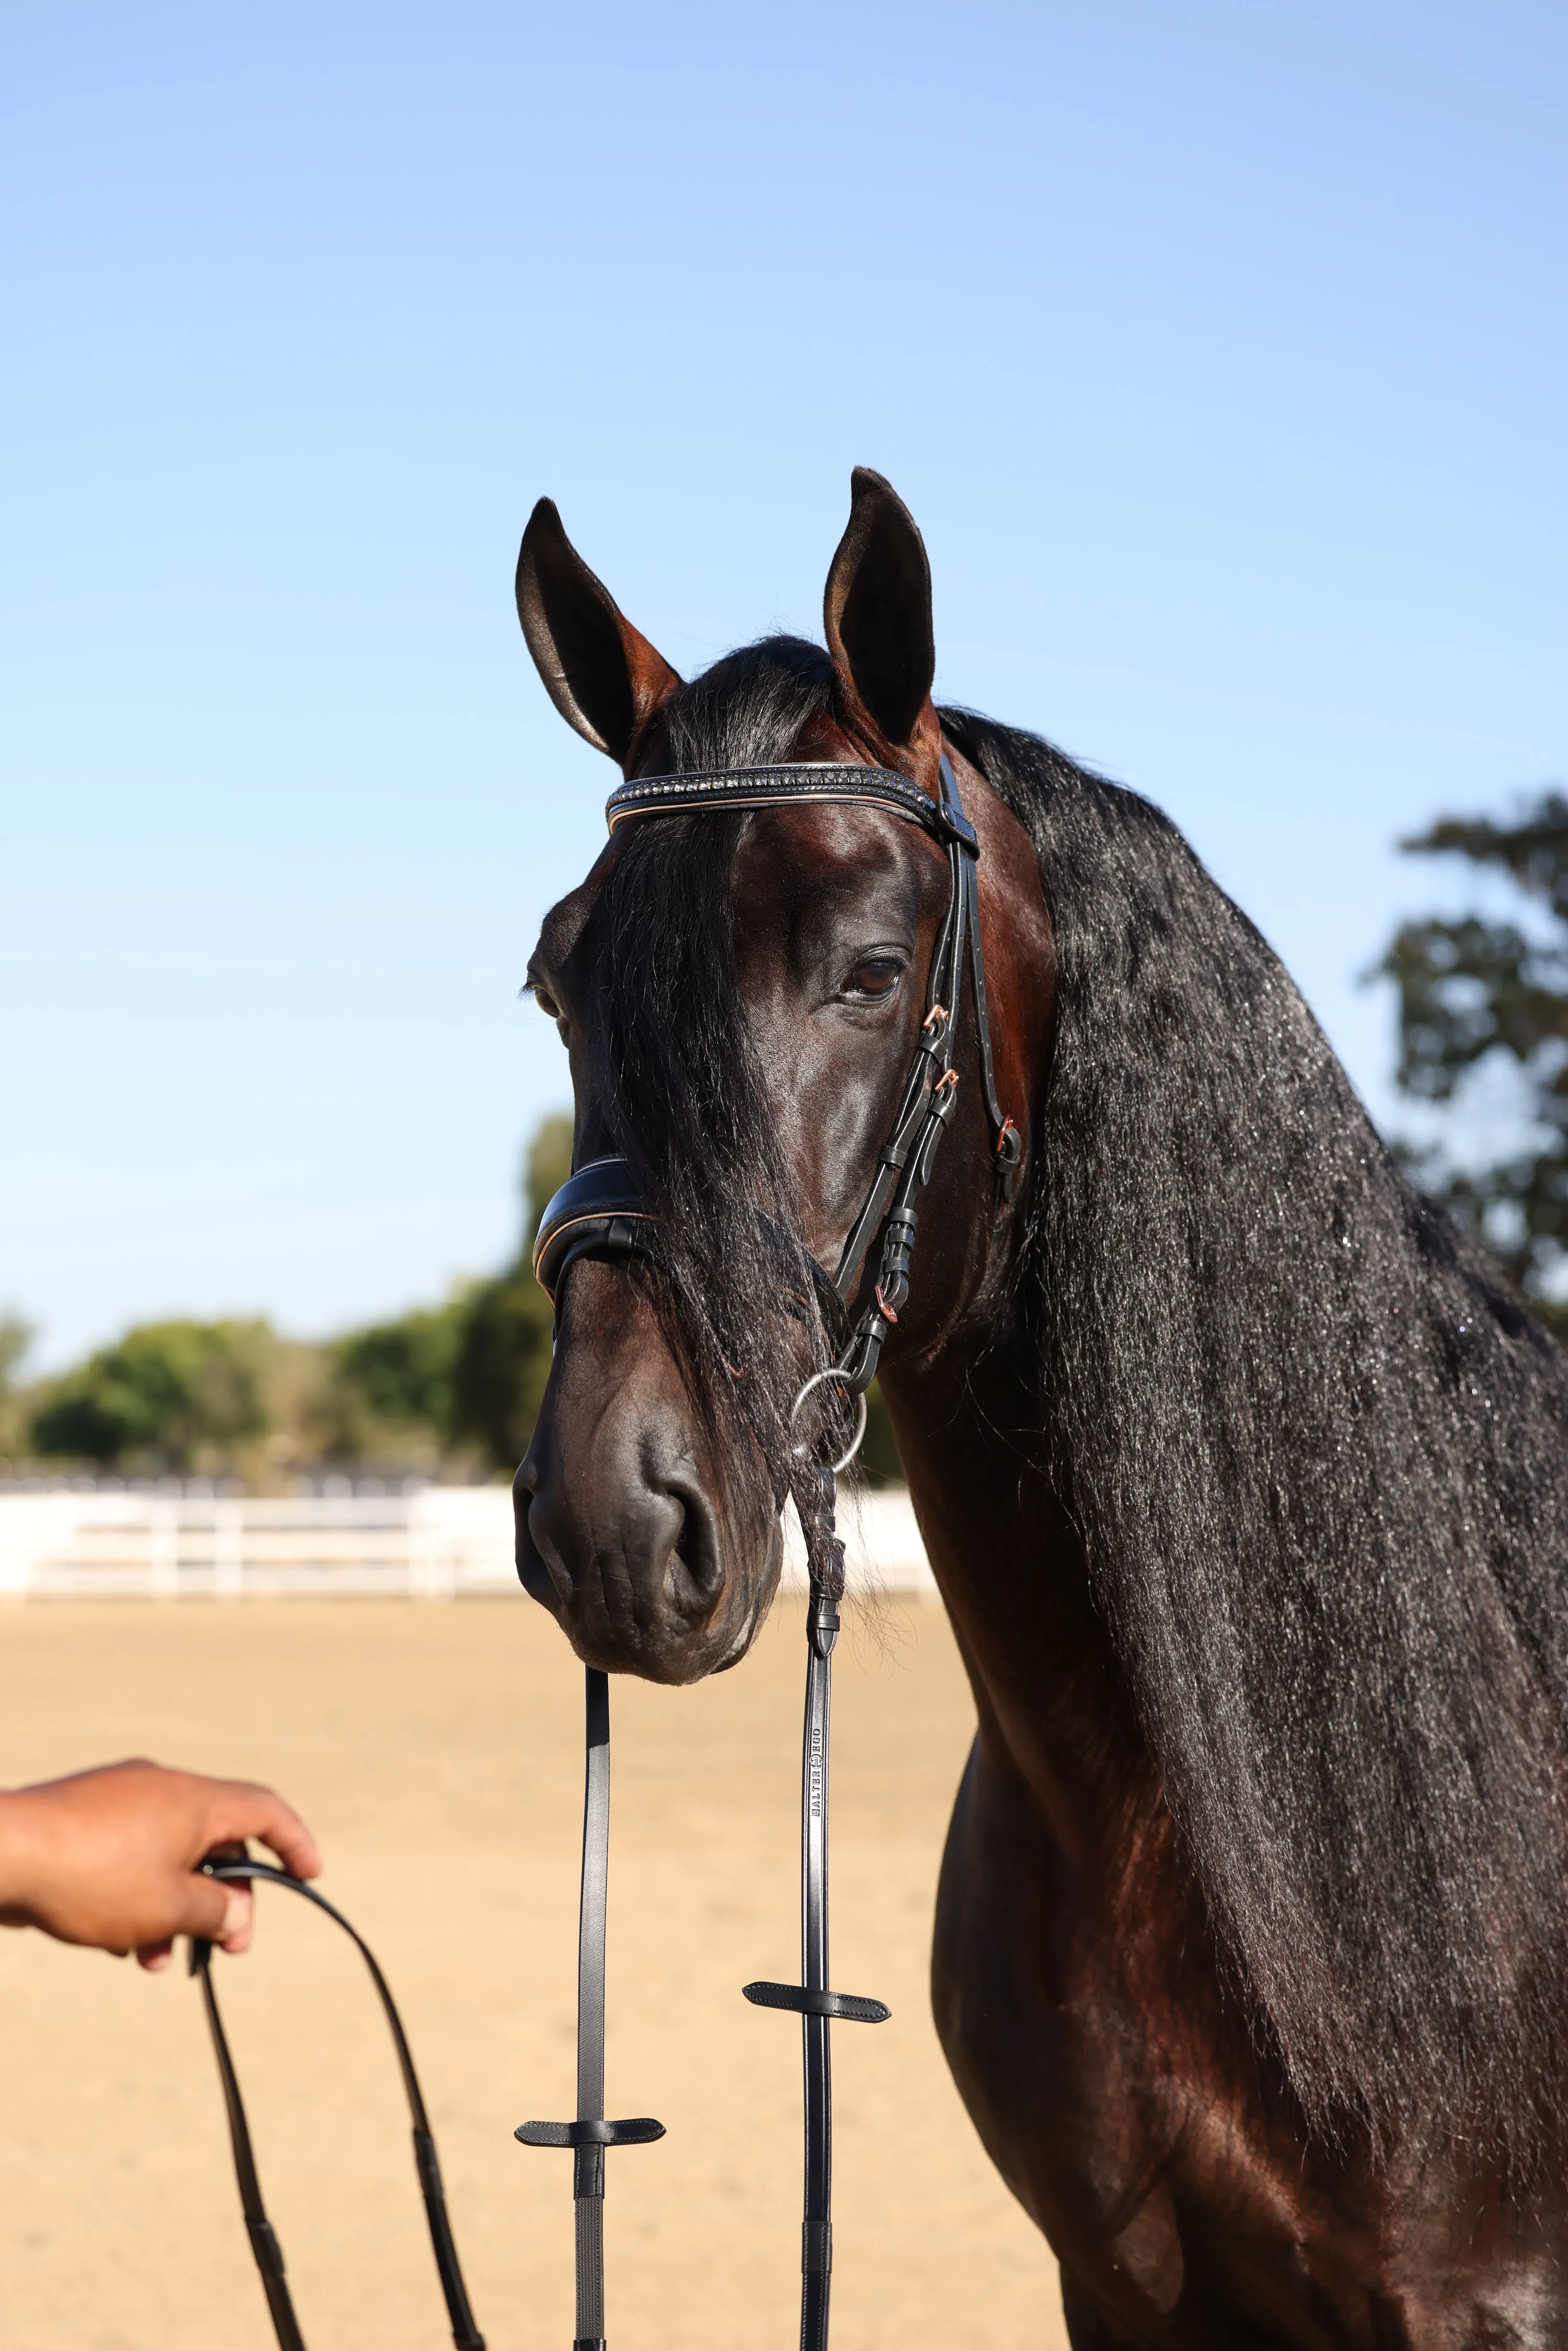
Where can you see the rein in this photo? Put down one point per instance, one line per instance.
(599, 1212)
(263, 2237)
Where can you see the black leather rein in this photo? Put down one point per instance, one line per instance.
(599, 1212)
(264, 2242)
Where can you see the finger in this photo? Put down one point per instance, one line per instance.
(237, 1920)
(257, 1812)
(154, 1957)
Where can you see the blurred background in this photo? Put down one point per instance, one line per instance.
(1219, 353)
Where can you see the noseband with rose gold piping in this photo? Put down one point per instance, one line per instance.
(599, 1212)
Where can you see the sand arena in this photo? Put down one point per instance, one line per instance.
(437, 1752)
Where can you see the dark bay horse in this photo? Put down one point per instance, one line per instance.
(1245, 1482)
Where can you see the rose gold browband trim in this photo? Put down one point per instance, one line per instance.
(752, 788)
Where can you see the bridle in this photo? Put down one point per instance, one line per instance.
(599, 1212)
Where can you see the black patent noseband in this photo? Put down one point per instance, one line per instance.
(599, 1211)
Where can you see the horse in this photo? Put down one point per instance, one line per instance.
(1242, 1474)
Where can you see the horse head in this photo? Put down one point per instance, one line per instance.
(742, 995)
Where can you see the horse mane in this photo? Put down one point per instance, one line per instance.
(1316, 1450)
(1318, 1456)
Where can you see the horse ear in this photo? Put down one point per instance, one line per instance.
(602, 675)
(876, 609)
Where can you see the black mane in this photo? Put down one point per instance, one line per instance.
(1319, 1455)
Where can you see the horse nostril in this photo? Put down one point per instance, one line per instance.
(691, 1570)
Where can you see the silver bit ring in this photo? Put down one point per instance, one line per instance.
(816, 1381)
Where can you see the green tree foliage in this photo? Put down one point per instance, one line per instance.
(168, 1396)
(15, 1338)
(461, 1381)
(388, 1391)
(503, 1363)
(1474, 989)
(504, 1352)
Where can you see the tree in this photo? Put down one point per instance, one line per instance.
(1474, 991)
(503, 1363)
(504, 1348)
(15, 1338)
(168, 1396)
(388, 1390)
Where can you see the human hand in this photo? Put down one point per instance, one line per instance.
(110, 1857)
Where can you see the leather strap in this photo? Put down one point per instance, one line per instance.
(932, 1065)
(816, 2230)
(263, 2242)
(597, 1211)
(812, 2000)
(589, 2134)
(834, 782)
(846, 2005)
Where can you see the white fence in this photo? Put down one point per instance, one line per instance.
(436, 1544)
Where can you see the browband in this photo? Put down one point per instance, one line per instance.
(753, 787)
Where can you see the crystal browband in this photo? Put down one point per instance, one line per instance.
(751, 788)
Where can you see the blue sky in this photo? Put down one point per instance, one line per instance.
(1218, 350)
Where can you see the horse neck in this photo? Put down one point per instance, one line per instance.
(1050, 1692)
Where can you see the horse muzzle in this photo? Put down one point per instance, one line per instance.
(619, 1530)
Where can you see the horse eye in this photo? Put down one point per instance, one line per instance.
(547, 1004)
(877, 976)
